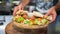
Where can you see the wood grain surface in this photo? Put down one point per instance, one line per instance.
(11, 30)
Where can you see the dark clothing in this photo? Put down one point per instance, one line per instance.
(43, 6)
(55, 2)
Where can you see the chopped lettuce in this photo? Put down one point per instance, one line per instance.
(20, 19)
(38, 22)
(27, 22)
(44, 21)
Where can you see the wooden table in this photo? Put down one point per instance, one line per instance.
(10, 30)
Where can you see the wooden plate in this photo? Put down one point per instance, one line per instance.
(25, 26)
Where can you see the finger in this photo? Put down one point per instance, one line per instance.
(46, 15)
(15, 10)
(20, 8)
(54, 17)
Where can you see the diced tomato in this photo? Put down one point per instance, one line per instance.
(39, 19)
(32, 21)
(25, 16)
(33, 17)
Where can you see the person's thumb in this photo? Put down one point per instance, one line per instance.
(15, 10)
(46, 15)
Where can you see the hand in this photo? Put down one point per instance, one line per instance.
(19, 7)
(51, 12)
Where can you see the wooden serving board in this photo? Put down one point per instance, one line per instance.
(11, 30)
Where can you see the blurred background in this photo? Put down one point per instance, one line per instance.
(6, 11)
(7, 6)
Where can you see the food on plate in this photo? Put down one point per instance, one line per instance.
(25, 16)
(33, 17)
(37, 14)
(18, 19)
(36, 18)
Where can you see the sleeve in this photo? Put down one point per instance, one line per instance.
(55, 2)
